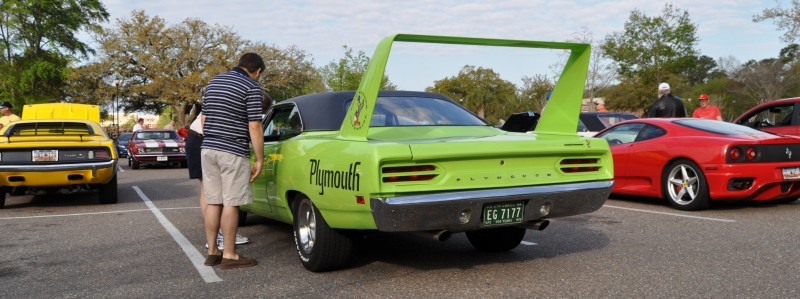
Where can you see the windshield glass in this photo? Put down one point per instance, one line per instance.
(719, 127)
(145, 135)
(421, 111)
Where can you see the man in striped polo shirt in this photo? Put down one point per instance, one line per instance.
(231, 122)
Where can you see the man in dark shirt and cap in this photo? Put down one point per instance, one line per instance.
(667, 104)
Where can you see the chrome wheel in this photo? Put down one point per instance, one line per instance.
(683, 184)
(306, 226)
(319, 247)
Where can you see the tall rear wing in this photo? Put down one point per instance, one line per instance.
(559, 117)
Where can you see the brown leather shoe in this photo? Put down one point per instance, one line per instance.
(239, 263)
(213, 260)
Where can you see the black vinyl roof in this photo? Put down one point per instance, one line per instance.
(326, 110)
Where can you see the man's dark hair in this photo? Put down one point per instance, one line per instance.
(251, 62)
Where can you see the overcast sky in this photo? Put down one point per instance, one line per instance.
(724, 27)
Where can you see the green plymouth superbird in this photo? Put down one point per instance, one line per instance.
(400, 161)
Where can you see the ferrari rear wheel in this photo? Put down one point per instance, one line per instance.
(496, 239)
(320, 247)
(685, 186)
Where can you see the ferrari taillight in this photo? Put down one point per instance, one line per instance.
(751, 153)
(411, 173)
(735, 153)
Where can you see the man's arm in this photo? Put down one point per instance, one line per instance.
(257, 139)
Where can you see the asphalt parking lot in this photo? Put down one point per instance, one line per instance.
(150, 244)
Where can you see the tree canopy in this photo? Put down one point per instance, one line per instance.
(480, 90)
(39, 40)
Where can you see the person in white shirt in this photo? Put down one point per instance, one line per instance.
(139, 125)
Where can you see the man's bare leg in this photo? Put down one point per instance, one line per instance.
(230, 224)
(212, 222)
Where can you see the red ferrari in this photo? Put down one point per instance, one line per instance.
(691, 162)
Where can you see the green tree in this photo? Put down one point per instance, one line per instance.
(346, 73)
(480, 90)
(652, 50)
(534, 91)
(163, 65)
(38, 42)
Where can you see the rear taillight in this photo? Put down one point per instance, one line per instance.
(735, 153)
(98, 154)
(747, 153)
(413, 173)
(574, 165)
(751, 153)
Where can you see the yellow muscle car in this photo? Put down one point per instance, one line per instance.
(57, 146)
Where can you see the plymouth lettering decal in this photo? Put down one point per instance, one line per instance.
(339, 179)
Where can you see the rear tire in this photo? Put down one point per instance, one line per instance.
(242, 217)
(2, 197)
(319, 247)
(496, 239)
(684, 185)
(108, 192)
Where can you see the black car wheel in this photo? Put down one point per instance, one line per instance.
(242, 218)
(108, 192)
(2, 198)
(496, 239)
(320, 247)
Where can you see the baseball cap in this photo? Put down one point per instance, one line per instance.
(663, 86)
(703, 97)
(6, 104)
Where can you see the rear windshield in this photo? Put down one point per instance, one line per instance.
(421, 111)
(719, 127)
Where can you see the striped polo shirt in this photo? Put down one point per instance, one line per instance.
(230, 101)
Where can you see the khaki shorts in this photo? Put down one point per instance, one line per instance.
(226, 178)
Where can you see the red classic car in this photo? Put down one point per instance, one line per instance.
(691, 162)
(156, 147)
(778, 116)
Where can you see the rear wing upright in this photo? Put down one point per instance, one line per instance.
(560, 117)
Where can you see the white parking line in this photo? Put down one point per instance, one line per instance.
(197, 259)
(671, 214)
(94, 213)
(528, 243)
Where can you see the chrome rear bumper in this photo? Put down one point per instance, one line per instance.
(461, 210)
